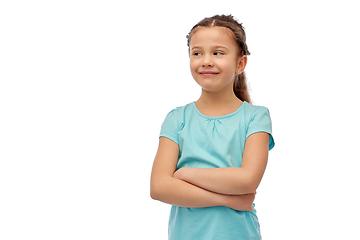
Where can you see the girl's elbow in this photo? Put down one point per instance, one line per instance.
(154, 191)
(250, 185)
(157, 189)
(153, 195)
(252, 188)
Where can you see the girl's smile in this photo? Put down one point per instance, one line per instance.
(208, 73)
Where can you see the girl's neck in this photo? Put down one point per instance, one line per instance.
(218, 103)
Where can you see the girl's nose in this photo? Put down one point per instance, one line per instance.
(207, 61)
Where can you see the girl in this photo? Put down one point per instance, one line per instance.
(213, 152)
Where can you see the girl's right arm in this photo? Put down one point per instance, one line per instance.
(164, 187)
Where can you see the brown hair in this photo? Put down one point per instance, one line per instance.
(240, 85)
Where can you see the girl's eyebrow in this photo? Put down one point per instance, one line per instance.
(217, 46)
(221, 47)
(195, 47)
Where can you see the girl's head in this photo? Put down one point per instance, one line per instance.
(218, 53)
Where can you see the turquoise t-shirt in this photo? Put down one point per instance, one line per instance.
(213, 142)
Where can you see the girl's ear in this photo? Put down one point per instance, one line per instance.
(241, 64)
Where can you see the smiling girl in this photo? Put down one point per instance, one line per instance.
(213, 152)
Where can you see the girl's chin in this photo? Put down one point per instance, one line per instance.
(213, 86)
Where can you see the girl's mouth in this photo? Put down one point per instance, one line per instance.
(208, 73)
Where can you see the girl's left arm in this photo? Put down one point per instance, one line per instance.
(233, 180)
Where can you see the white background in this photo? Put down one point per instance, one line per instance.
(85, 86)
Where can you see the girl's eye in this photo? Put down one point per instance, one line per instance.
(218, 53)
(197, 53)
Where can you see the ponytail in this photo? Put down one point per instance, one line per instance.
(241, 88)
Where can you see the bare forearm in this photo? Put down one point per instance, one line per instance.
(177, 192)
(230, 180)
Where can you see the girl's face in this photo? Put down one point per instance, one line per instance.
(214, 59)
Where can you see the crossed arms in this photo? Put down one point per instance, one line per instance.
(232, 187)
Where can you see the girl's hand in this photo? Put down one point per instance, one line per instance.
(180, 173)
(177, 173)
(240, 202)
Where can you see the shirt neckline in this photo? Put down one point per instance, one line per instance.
(219, 117)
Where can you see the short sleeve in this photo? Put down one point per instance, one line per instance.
(260, 121)
(170, 126)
